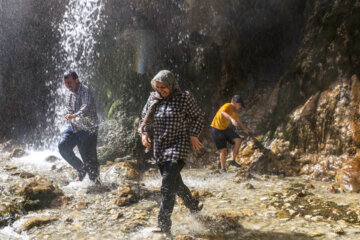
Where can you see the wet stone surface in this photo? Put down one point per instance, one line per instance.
(257, 207)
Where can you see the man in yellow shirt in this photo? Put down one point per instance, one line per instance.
(221, 131)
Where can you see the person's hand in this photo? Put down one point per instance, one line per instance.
(195, 142)
(68, 117)
(234, 123)
(145, 140)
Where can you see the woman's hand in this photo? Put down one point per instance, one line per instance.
(195, 142)
(145, 140)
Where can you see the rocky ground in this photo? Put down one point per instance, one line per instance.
(39, 200)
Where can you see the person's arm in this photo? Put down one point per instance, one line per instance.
(145, 139)
(196, 121)
(233, 121)
(236, 123)
(247, 131)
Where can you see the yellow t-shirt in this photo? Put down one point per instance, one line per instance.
(220, 122)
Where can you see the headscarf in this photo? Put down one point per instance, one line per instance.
(166, 77)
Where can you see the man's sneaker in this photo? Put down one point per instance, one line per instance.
(233, 163)
(223, 171)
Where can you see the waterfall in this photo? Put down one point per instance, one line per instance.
(81, 23)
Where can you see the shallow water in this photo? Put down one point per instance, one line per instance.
(92, 214)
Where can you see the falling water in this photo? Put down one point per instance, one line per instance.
(81, 23)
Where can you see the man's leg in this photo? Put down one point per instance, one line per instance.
(170, 174)
(219, 138)
(87, 149)
(66, 148)
(223, 153)
(237, 143)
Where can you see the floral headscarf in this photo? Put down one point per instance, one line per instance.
(166, 77)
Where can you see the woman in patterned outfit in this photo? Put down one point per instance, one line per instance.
(175, 121)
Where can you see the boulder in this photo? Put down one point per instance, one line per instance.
(38, 193)
(38, 221)
(125, 196)
(17, 153)
(348, 177)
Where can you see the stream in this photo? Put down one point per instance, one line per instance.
(249, 209)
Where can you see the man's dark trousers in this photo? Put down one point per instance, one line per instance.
(86, 143)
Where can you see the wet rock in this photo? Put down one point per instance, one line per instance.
(248, 186)
(348, 176)
(184, 237)
(52, 159)
(126, 170)
(60, 201)
(222, 222)
(38, 193)
(9, 211)
(80, 205)
(38, 221)
(26, 175)
(284, 214)
(17, 153)
(243, 175)
(9, 167)
(338, 230)
(333, 189)
(125, 196)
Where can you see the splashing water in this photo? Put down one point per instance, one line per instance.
(81, 23)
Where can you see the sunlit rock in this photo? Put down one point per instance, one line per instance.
(38, 221)
(348, 177)
(284, 214)
(10, 167)
(125, 196)
(183, 237)
(38, 192)
(126, 170)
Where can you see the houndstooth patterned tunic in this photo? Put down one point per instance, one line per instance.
(175, 120)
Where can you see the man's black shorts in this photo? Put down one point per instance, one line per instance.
(220, 137)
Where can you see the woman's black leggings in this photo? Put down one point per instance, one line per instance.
(173, 184)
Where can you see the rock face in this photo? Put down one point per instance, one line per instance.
(311, 115)
(348, 176)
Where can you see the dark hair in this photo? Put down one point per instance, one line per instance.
(238, 99)
(71, 73)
